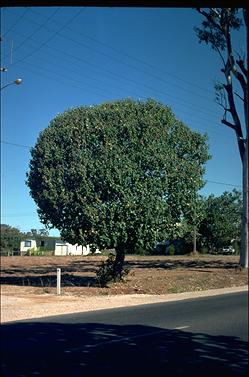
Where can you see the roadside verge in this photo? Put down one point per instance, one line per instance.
(37, 306)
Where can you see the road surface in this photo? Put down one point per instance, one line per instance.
(194, 337)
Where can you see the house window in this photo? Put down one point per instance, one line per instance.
(27, 243)
(42, 243)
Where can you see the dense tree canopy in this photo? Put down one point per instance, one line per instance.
(118, 175)
(222, 222)
(10, 238)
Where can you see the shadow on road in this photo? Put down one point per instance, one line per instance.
(95, 349)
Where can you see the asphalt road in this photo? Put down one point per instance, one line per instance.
(195, 337)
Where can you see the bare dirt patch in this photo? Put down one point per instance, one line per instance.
(29, 283)
(148, 275)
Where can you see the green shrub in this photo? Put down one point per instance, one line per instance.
(236, 246)
(31, 251)
(204, 250)
(107, 271)
(36, 252)
(171, 249)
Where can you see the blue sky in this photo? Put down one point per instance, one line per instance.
(72, 56)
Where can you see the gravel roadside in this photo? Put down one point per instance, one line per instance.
(14, 308)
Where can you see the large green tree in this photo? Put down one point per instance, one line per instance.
(217, 30)
(221, 223)
(10, 238)
(118, 175)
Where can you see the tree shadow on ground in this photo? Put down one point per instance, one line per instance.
(46, 349)
(85, 266)
(67, 280)
(171, 264)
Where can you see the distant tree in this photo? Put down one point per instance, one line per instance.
(190, 224)
(39, 232)
(116, 175)
(43, 232)
(217, 30)
(10, 237)
(33, 232)
(222, 220)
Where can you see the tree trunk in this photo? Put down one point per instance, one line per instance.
(245, 188)
(119, 262)
(194, 240)
(245, 218)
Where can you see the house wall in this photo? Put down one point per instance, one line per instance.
(74, 249)
(77, 249)
(65, 248)
(86, 249)
(59, 247)
(27, 244)
(46, 243)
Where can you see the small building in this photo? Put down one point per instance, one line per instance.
(65, 248)
(27, 245)
(57, 246)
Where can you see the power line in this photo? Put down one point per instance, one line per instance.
(119, 52)
(36, 30)
(161, 79)
(215, 182)
(223, 183)
(17, 21)
(49, 39)
(129, 56)
(26, 214)
(61, 81)
(124, 78)
(33, 214)
(15, 144)
(127, 79)
(133, 81)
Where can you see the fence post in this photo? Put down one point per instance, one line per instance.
(58, 281)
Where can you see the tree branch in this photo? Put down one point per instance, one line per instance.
(218, 50)
(237, 125)
(209, 18)
(233, 126)
(231, 62)
(238, 76)
(241, 64)
(242, 99)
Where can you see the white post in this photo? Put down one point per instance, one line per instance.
(58, 281)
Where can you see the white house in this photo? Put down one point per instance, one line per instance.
(57, 246)
(27, 244)
(65, 248)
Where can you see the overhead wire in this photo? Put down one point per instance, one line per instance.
(15, 23)
(140, 97)
(132, 81)
(161, 79)
(15, 144)
(129, 56)
(57, 33)
(60, 80)
(27, 214)
(75, 84)
(125, 78)
(136, 83)
(223, 183)
(36, 30)
(49, 39)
